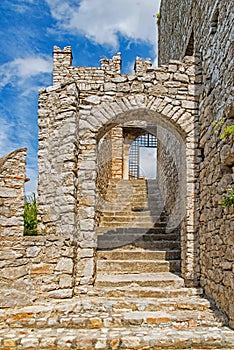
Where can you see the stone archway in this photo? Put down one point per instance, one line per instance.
(175, 120)
(91, 102)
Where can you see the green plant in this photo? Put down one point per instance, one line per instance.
(217, 124)
(30, 215)
(228, 198)
(228, 130)
(158, 16)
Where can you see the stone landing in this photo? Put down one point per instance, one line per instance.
(176, 319)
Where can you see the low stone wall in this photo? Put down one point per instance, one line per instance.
(12, 179)
(36, 268)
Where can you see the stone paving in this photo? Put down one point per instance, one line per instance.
(126, 339)
(116, 323)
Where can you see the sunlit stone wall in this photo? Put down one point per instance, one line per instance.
(206, 27)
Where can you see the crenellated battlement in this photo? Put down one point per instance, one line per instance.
(109, 67)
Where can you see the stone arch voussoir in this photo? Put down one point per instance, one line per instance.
(108, 112)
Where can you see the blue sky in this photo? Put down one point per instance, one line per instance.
(28, 31)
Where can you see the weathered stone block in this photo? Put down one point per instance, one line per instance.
(42, 268)
(64, 265)
(181, 77)
(65, 281)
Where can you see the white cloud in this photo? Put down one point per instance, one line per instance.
(102, 20)
(21, 69)
(6, 146)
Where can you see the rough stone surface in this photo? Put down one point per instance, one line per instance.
(205, 31)
(36, 268)
(83, 142)
(83, 120)
(12, 179)
(97, 322)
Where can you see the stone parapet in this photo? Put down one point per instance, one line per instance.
(62, 60)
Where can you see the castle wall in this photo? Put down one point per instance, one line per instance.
(81, 107)
(57, 159)
(212, 24)
(12, 179)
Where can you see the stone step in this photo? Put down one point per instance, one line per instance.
(125, 213)
(140, 267)
(176, 319)
(167, 237)
(134, 266)
(106, 242)
(143, 292)
(159, 228)
(97, 313)
(130, 338)
(123, 197)
(97, 320)
(30, 315)
(160, 280)
(137, 224)
(119, 220)
(132, 191)
(160, 245)
(135, 236)
(138, 255)
(95, 305)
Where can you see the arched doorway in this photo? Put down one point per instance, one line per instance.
(175, 138)
(135, 211)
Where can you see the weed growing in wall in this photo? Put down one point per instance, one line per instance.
(227, 132)
(228, 198)
(30, 215)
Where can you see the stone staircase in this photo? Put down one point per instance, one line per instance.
(133, 244)
(133, 215)
(138, 302)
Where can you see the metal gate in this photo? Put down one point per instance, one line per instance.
(146, 140)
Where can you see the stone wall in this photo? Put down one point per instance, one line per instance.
(104, 164)
(172, 176)
(12, 179)
(210, 25)
(117, 152)
(109, 159)
(77, 111)
(36, 268)
(57, 159)
(175, 26)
